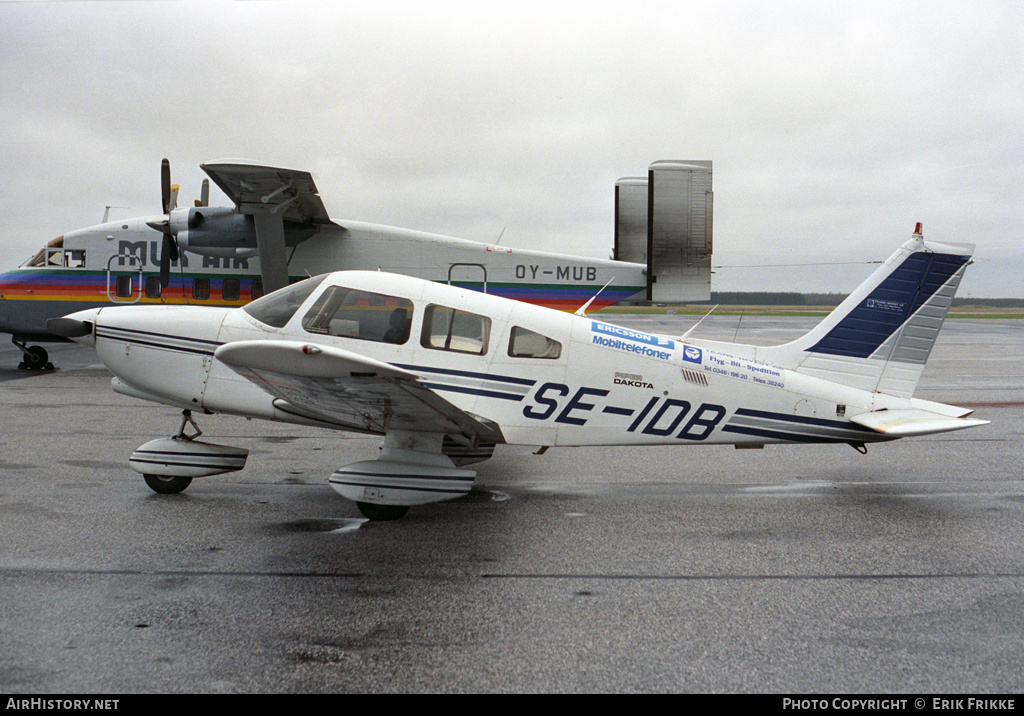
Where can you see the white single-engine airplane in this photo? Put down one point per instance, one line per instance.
(445, 374)
(278, 232)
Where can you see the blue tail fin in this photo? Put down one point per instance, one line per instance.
(880, 337)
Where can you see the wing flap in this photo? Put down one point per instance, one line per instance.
(349, 388)
(905, 423)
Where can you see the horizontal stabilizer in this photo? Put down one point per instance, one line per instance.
(904, 423)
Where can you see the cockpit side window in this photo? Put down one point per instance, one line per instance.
(448, 329)
(277, 308)
(74, 258)
(351, 313)
(524, 343)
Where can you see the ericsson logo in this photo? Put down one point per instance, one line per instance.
(635, 342)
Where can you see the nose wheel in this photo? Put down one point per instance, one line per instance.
(169, 464)
(33, 357)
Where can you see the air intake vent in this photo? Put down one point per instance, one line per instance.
(692, 376)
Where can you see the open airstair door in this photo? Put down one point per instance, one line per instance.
(665, 222)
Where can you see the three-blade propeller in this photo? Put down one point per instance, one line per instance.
(169, 201)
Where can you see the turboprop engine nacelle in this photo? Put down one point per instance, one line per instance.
(224, 233)
(214, 231)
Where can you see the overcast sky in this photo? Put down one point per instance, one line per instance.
(833, 126)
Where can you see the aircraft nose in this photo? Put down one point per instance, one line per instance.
(78, 326)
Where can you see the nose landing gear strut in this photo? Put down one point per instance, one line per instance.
(35, 357)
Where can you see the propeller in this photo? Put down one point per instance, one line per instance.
(169, 250)
(169, 202)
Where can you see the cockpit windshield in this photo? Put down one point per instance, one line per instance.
(50, 255)
(277, 308)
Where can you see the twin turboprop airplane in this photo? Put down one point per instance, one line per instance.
(278, 231)
(445, 374)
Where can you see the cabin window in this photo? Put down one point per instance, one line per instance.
(153, 287)
(277, 308)
(524, 343)
(352, 313)
(257, 288)
(124, 286)
(201, 289)
(448, 329)
(231, 289)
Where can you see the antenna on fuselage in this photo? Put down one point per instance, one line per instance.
(582, 310)
(682, 338)
(106, 212)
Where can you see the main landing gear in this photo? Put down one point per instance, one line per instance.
(411, 470)
(382, 513)
(166, 485)
(34, 357)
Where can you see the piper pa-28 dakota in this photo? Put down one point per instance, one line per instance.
(278, 231)
(445, 374)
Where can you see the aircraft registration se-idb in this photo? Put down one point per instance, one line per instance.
(446, 374)
(278, 231)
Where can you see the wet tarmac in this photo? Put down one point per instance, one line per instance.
(794, 569)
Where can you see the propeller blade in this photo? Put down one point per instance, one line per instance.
(165, 185)
(206, 193)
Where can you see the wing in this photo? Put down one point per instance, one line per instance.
(257, 187)
(349, 389)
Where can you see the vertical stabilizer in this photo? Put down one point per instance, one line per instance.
(665, 221)
(880, 337)
(631, 220)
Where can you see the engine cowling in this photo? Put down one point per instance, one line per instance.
(224, 233)
(214, 231)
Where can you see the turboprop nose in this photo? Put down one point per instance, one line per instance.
(79, 327)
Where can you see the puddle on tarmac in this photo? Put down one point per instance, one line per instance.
(326, 524)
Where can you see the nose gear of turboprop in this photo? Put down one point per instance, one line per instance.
(169, 464)
(35, 357)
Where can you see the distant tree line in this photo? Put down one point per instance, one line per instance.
(767, 298)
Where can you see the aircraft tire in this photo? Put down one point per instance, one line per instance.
(167, 485)
(382, 512)
(36, 358)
